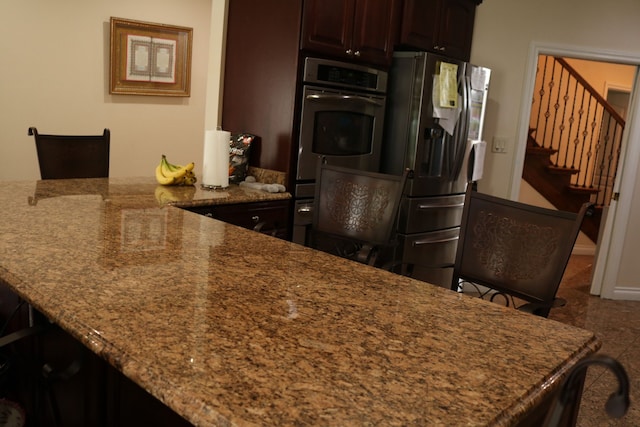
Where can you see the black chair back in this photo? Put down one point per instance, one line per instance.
(72, 156)
(516, 249)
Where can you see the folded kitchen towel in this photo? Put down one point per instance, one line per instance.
(270, 188)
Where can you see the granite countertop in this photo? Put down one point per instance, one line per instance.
(231, 327)
(147, 188)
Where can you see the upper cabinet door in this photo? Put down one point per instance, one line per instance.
(456, 27)
(373, 31)
(358, 30)
(327, 26)
(419, 26)
(440, 26)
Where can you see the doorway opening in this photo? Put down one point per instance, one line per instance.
(608, 84)
(577, 120)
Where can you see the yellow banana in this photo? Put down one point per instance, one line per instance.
(190, 179)
(171, 170)
(161, 178)
(175, 168)
(170, 174)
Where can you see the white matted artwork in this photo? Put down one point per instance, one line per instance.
(150, 59)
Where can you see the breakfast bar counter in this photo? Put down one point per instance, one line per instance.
(227, 326)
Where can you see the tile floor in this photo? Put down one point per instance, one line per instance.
(617, 324)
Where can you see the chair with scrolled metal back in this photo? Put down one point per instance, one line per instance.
(355, 212)
(564, 409)
(514, 250)
(72, 156)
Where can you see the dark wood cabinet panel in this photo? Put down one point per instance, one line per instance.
(419, 24)
(129, 405)
(456, 27)
(270, 218)
(261, 75)
(359, 30)
(59, 381)
(327, 26)
(374, 27)
(440, 26)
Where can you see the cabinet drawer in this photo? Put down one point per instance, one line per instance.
(267, 217)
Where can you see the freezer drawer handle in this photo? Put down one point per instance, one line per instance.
(455, 205)
(429, 242)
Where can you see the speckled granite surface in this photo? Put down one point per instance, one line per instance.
(146, 187)
(267, 176)
(230, 327)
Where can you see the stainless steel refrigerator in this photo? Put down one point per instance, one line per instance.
(433, 125)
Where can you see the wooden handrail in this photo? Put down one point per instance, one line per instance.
(617, 117)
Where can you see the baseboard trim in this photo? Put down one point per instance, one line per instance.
(584, 250)
(626, 294)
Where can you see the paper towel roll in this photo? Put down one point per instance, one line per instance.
(215, 163)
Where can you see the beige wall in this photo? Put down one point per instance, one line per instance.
(55, 57)
(602, 75)
(504, 33)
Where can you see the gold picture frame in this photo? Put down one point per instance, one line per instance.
(150, 59)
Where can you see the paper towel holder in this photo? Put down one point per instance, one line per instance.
(215, 165)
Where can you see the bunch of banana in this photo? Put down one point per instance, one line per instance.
(170, 174)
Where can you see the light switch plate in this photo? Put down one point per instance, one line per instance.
(500, 144)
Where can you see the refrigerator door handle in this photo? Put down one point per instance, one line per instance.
(463, 130)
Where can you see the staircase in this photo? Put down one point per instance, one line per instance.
(574, 140)
(554, 183)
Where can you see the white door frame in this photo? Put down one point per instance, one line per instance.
(610, 247)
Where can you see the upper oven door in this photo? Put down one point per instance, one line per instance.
(342, 126)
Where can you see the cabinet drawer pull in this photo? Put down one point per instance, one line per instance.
(255, 218)
(434, 241)
(450, 205)
(349, 52)
(357, 53)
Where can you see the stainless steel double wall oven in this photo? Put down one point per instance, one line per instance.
(342, 117)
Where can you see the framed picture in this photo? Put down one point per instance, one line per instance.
(150, 59)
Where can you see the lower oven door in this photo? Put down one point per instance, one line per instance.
(342, 126)
(431, 254)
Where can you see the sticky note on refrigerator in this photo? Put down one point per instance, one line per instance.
(448, 87)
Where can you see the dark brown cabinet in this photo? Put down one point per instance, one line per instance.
(59, 381)
(359, 30)
(439, 26)
(260, 79)
(266, 217)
